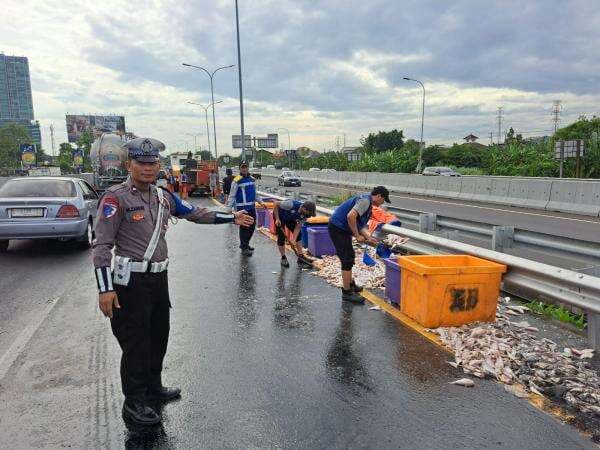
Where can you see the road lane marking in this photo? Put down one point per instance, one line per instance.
(467, 205)
(19, 344)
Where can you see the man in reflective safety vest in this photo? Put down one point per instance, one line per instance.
(242, 197)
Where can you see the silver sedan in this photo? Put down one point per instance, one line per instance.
(61, 208)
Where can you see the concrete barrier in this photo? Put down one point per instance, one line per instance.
(499, 191)
(448, 187)
(575, 197)
(534, 193)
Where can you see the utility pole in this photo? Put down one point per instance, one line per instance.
(344, 140)
(491, 137)
(556, 109)
(52, 139)
(499, 123)
(239, 55)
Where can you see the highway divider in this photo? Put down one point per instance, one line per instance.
(562, 195)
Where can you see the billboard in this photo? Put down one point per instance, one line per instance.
(27, 154)
(77, 124)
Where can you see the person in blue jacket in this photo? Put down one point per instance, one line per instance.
(242, 197)
(291, 214)
(350, 220)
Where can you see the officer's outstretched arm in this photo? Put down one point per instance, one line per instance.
(184, 210)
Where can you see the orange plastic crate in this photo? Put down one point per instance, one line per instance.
(449, 290)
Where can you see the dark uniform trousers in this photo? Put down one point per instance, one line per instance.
(247, 232)
(141, 327)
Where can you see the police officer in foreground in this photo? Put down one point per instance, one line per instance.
(133, 218)
(242, 197)
(291, 214)
(350, 220)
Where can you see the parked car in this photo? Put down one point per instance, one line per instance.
(288, 178)
(314, 169)
(440, 171)
(270, 166)
(329, 170)
(285, 168)
(61, 208)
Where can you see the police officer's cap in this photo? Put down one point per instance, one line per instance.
(243, 163)
(144, 149)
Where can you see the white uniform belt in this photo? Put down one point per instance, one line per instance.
(155, 267)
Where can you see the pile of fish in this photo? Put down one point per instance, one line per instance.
(510, 352)
(329, 268)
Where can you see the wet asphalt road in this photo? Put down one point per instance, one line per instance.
(266, 357)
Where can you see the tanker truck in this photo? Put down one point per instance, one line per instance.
(108, 158)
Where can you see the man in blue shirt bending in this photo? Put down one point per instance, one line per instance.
(291, 214)
(350, 220)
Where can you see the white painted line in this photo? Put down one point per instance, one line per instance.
(17, 347)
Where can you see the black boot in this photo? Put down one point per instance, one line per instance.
(303, 264)
(164, 394)
(247, 252)
(139, 414)
(355, 287)
(284, 261)
(251, 248)
(351, 296)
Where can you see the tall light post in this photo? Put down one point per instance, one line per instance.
(289, 145)
(422, 122)
(194, 136)
(239, 54)
(205, 108)
(212, 94)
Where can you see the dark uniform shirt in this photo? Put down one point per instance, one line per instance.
(126, 221)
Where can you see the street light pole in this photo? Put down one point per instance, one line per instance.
(237, 27)
(289, 145)
(205, 108)
(420, 164)
(195, 136)
(212, 94)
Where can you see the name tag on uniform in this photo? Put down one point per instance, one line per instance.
(134, 208)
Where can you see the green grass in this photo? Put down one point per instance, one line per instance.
(557, 312)
(340, 198)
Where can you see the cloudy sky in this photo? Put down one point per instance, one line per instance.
(320, 69)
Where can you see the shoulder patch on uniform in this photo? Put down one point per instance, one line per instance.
(110, 206)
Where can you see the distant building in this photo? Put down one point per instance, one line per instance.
(16, 101)
(352, 153)
(471, 138)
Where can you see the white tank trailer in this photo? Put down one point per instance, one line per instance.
(108, 158)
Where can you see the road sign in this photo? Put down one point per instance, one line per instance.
(271, 141)
(236, 141)
(569, 148)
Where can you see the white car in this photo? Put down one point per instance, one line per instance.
(270, 166)
(329, 170)
(314, 169)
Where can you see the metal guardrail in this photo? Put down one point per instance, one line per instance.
(525, 278)
(497, 237)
